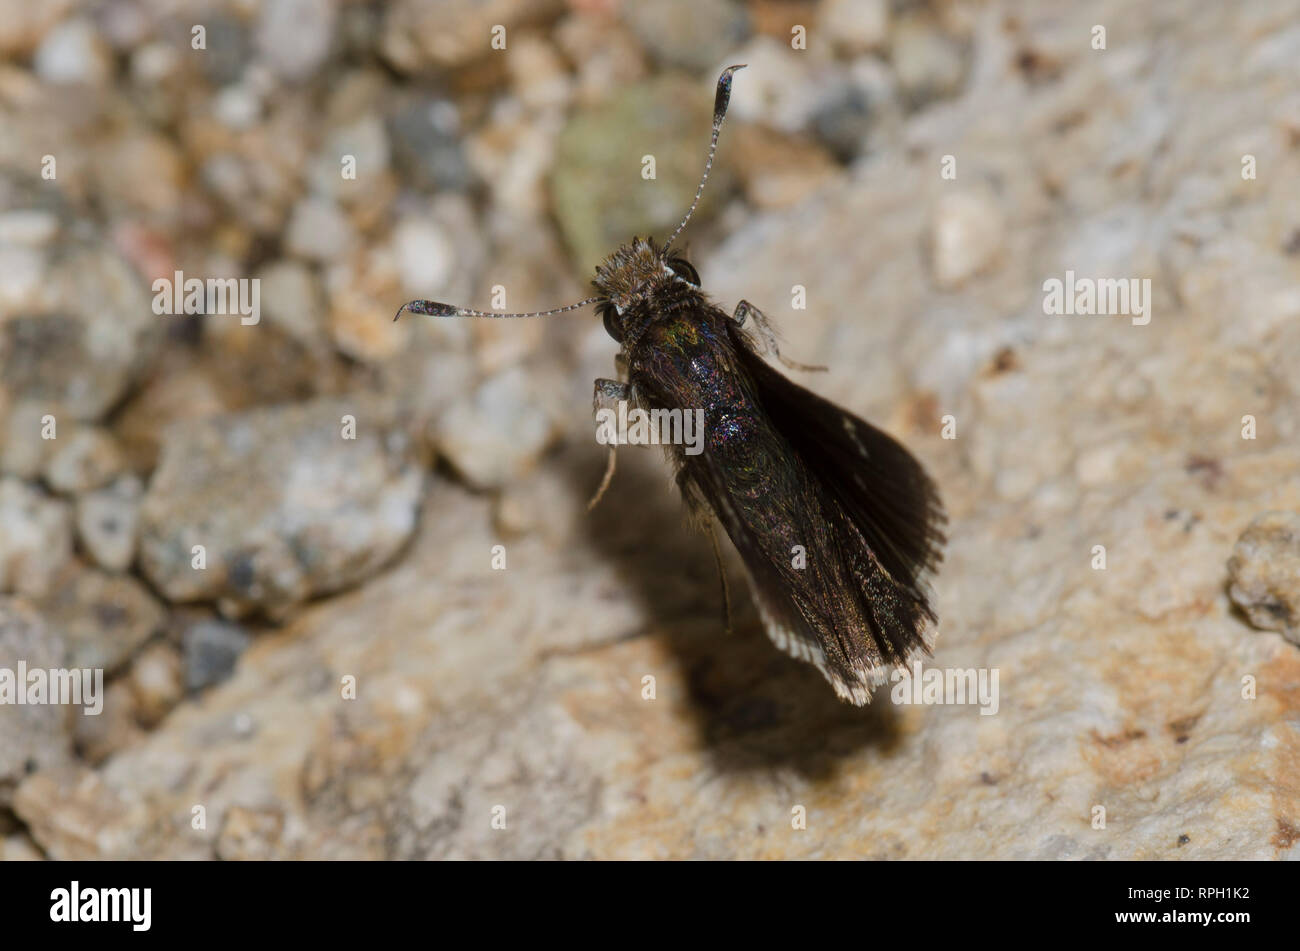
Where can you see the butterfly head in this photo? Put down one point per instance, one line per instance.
(636, 274)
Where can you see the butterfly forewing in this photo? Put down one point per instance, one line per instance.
(838, 525)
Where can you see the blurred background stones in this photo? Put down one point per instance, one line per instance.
(263, 509)
(34, 736)
(276, 532)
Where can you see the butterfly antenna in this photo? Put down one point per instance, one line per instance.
(432, 308)
(720, 101)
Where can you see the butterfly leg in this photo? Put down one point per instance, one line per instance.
(745, 310)
(607, 395)
(722, 576)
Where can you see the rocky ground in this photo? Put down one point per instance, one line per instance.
(347, 674)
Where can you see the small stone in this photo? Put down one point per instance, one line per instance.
(211, 649)
(156, 682)
(294, 36)
(513, 154)
(229, 49)
(73, 53)
(319, 230)
(154, 62)
(263, 509)
(362, 291)
(144, 174)
(426, 145)
(844, 123)
(538, 74)
(250, 834)
(292, 299)
(545, 503)
(73, 814)
(32, 736)
(24, 24)
(31, 228)
(858, 112)
(855, 26)
(930, 63)
(967, 231)
(104, 618)
(238, 106)
(691, 34)
(111, 730)
(426, 255)
(606, 55)
(35, 538)
(364, 142)
(267, 365)
(85, 460)
(125, 23)
(514, 514)
(229, 178)
(20, 847)
(23, 447)
(453, 33)
(1265, 570)
(78, 355)
(181, 392)
(22, 275)
(35, 348)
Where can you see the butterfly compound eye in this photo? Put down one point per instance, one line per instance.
(683, 269)
(613, 325)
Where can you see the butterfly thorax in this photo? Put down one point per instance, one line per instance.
(642, 284)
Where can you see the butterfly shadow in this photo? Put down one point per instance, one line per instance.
(754, 707)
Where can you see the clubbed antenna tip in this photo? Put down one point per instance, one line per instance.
(721, 99)
(430, 308)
